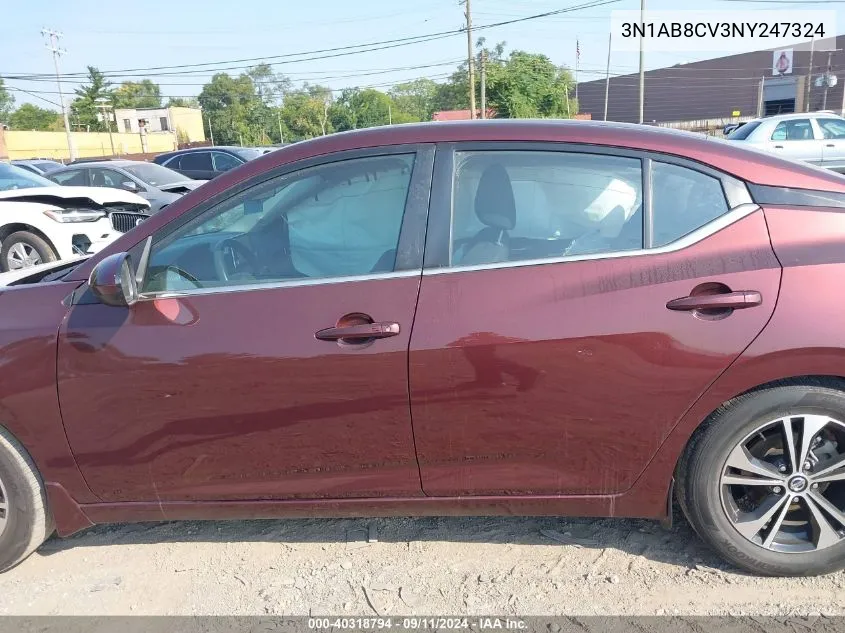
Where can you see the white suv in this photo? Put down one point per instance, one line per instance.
(41, 221)
(815, 137)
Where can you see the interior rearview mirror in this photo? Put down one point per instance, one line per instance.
(112, 281)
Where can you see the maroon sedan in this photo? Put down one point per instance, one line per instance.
(539, 318)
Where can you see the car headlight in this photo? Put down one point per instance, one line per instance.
(75, 215)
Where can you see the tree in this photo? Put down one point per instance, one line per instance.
(142, 94)
(31, 117)
(84, 106)
(181, 102)
(415, 98)
(270, 87)
(308, 112)
(7, 102)
(363, 108)
(235, 111)
(529, 85)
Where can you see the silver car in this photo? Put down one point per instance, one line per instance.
(816, 137)
(158, 185)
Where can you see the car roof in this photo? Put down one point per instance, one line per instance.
(749, 164)
(118, 162)
(34, 161)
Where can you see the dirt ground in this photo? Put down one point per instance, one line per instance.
(433, 566)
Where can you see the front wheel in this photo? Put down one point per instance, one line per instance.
(23, 250)
(764, 481)
(25, 520)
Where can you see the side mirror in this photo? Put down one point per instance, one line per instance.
(129, 185)
(112, 281)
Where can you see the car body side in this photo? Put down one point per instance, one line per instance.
(805, 242)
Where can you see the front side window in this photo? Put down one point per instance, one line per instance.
(683, 200)
(794, 130)
(832, 128)
(106, 178)
(524, 205)
(200, 161)
(335, 220)
(224, 162)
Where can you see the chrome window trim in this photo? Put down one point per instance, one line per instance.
(701, 233)
(274, 285)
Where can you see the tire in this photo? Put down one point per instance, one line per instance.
(28, 521)
(718, 509)
(28, 243)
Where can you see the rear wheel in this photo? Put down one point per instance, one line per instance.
(23, 250)
(25, 521)
(764, 481)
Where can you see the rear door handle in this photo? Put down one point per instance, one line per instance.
(830, 145)
(778, 146)
(383, 329)
(725, 301)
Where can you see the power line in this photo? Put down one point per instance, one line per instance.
(338, 51)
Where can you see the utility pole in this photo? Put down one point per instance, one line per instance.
(53, 46)
(389, 114)
(105, 111)
(760, 97)
(210, 131)
(607, 76)
(281, 135)
(483, 84)
(642, 67)
(827, 78)
(809, 76)
(468, 15)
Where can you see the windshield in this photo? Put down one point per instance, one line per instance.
(742, 132)
(248, 153)
(12, 177)
(154, 175)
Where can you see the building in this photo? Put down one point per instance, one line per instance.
(735, 87)
(460, 115)
(186, 123)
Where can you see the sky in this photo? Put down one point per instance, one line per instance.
(172, 32)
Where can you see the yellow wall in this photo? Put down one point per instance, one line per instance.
(189, 120)
(22, 144)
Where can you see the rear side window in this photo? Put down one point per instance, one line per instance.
(832, 128)
(683, 200)
(75, 178)
(524, 205)
(197, 160)
(795, 130)
(225, 162)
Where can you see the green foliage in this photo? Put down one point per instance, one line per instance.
(233, 108)
(529, 85)
(415, 100)
(270, 87)
(142, 94)
(31, 117)
(7, 103)
(306, 112)
(181, 102)
(84, 106)
(362, 108)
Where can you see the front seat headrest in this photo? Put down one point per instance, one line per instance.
(494, 201)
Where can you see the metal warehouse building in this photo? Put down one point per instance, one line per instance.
(758, 83)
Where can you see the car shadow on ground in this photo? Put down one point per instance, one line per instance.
(678, 545)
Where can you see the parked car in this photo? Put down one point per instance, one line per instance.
(42, 222)
(207, 162)
(817, 138)
(261, 345)
(731, 127)
(158, 185)
(38, 166)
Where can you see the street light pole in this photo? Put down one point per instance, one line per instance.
(103, 107)
(53, 46)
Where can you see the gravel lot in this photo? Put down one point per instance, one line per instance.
(523, 566)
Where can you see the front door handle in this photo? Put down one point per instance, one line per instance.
(778, 146)
(724, 301)
(365, 331)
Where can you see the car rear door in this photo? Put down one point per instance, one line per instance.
(833, 150)
(575, 303)
(224, 162)
(267, 357)
(797, 139)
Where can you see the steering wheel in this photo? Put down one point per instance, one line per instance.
(233, 260)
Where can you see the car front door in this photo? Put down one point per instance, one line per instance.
(569, 314)
(797, 139)
(267, 357)
(833, 150)
(197, 165)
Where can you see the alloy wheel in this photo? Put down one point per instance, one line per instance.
(22, 255)
(4, 507)
(783, 486)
